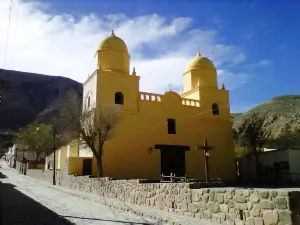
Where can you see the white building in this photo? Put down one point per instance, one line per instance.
(276, 164)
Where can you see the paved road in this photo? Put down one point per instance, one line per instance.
(26, 202)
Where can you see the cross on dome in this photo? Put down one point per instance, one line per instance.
(113, 33)
(133, 71)
(198, 52)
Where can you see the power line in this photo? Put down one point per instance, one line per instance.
(17, 20)
(2, 86)
(7, 34)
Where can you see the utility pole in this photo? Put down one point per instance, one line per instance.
(54, 167)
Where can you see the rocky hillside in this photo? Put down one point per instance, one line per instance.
(286, 107)
(29, 96)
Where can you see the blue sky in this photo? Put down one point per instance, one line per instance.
(264, 34)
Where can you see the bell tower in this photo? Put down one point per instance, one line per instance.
(115, 84)
(200, 83)
(112, 55)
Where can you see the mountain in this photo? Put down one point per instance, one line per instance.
(29, 96)
(285, 107)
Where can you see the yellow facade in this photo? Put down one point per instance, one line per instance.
(61, 154)
(132, 152)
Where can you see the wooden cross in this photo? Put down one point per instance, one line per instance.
(205, 149)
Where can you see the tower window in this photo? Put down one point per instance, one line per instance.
(119, 98)
(89, 102)
(171, 126)
(215, 109)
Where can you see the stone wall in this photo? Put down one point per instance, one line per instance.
(221, 205)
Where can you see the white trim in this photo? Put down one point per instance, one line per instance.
(68, 151)
(58, 163)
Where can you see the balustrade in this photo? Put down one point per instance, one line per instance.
(150, 97)
(190, 102)
(144, 96)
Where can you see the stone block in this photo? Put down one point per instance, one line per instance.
(270, 217)
(179, 198)
(258, 221)
(211, 195)
(188, 198)
(239, 222)
(265, 204)
(184, 206)
(280, 203)
(249, 205)
(283, 193)
(229, 194)
(250, 221)
(238, 192)
(219, 198)
(233, 213)
(214, 207)
(241, 206)
(199, 215)
(193, 207)
(273, 194)
(195, 196)
(224, 208)
(205, 197)
(229, 221)
(231, 204)
(189, 214)
(215, 219)
(246, 193)
(285, 217)
(255, 211)
(239, 199)
(207, 214)
(264, 194)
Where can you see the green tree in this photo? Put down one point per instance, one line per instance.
(37, 138)
(255, 131)
(240, 143)
(288, 139)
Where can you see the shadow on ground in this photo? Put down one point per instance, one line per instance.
(17, 208)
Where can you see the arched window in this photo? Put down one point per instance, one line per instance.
(89, 102)
(119, 98)
(215, 109)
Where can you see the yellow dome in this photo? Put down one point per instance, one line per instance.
(200, 63)
(113, 42)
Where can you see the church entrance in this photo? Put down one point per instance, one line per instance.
(173, 159)
(87, 167)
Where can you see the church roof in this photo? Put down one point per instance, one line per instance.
(200, 63)
(113, 42)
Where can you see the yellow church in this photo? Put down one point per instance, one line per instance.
(159, 133)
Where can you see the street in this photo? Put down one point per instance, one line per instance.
(27, 201)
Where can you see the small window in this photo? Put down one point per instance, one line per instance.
(89, 102)
(215, 109)
(171, 126)
(119, 98)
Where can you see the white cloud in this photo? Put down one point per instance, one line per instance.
(60, 44)
(232, 80)
(265, 62)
